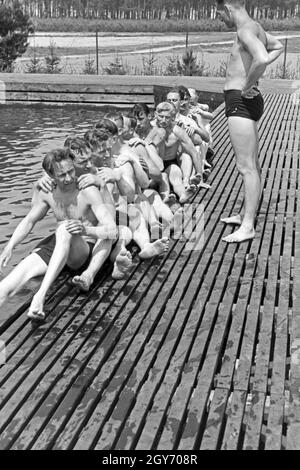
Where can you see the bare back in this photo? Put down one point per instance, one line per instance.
(240, 59)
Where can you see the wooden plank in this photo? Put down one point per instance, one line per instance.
(109, 99)
(215, 424)
(274, 428)
(235, 414)
(254, 422)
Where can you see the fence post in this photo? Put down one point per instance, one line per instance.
(97, 62)
(187, 37)
(284, 59)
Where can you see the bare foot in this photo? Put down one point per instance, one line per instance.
(204, 185)
(195, 179)
(154, 249)
(83, 281)
(178, 223)
(122, 264)
(234, 220)
(188, 193)
(155, 229)
(240, 235)
(36, 309)
(169, 198)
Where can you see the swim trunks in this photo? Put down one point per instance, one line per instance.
(168, 163)
(46, 247)
(238, 106)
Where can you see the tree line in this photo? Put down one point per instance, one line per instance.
(151, 9)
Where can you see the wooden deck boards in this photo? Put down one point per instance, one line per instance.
(198, 349)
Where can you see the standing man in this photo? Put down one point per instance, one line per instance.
(252, 51)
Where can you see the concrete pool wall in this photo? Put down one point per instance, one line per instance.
(119, 91)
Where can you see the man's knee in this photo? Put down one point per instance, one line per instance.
(246, 167)
(62, 233)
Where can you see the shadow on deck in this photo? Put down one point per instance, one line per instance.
(198, 349)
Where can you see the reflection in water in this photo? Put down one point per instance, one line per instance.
(26, 134)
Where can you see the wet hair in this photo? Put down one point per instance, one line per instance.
(166, 106)
(132, 119)
(184, 92)
(108, 126)
(114, 116)
(181, 90)
(76, 143)
(56, 156)
(140, 108)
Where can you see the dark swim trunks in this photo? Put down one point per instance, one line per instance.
(168, 163)
(238, 106)
(46, 247)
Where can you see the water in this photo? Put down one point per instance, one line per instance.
(26, 133)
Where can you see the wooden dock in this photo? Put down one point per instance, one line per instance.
(114, 90)
(199, 349)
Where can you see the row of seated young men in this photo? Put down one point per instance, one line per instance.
(125, 179)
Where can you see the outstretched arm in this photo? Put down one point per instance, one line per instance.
(37, 212)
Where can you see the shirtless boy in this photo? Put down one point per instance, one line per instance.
(170, 139)
(82, 219)
(252, 51)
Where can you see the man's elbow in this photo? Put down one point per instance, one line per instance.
(262, 60)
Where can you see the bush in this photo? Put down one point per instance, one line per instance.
(15, 26)
(89, 67)
(52, 60)
(116, 67)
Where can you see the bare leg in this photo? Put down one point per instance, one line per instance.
(175, 177)
(100, 254)
(30, 267)
(244, 138)
(120, 256)
(68, 249)
(186, 165)
(165, 190)
(141, 236)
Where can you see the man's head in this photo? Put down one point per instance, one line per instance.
(226, 10)
(174, 97)
(117, 119)
(165, 114)
(142, 114)
(180, 97)
(83, 161)
(129, 127)
(59, 165)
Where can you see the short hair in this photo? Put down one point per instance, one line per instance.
(107, 125)
(166, 106)
(56, 156)
(93, 137)
(139, 108)
(132, 120)
(76, 143)
(114, 116)
(181, 90)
